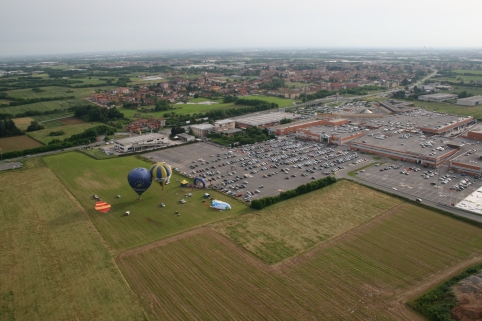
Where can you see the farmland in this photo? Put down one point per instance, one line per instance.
(54, 265)
(148, 222)
(291, 227)
(10, 144)
(43, 134)
(367, 273)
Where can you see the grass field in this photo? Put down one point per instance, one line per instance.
(282, 102)
(22, 123)
(291, 227)
(53, 264)
(366, 274)
(51, 91)
(43, 134)
(148, 222)
(10, 144)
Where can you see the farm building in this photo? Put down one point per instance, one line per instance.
(470, 101)
(139, 143)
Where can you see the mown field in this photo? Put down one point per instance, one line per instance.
(53, 264)
(43, 106)
(69, 130)
(282, 102)
(291, 227)
(365, 274)
(10, 144)
(85, 176)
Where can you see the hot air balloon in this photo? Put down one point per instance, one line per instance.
(102, 207)
(139, 179)
(161, 173)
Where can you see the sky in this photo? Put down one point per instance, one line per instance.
(38, 27)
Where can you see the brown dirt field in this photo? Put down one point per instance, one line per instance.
(367, 273)
(23, 122)
(71, 121)
(469, 297)
(10, 144)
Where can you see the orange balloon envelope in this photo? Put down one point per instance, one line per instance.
(102, 207)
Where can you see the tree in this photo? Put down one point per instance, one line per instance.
(34, 125)
(405, 82)
(285, 121)
(162, 105)
(177, 130)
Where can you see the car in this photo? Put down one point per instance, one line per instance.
(287, 177)
(419, 200)
(394, 188)
(433, 183)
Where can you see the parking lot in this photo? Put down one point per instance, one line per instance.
(435, 185)
(268, 167)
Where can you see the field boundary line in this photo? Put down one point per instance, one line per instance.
(309, 253)
(249, 256)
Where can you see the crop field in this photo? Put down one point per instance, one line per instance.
(10, 144)
(53, 264)
(43, 106)
(84, 176)
(72, 121)
(43, 134)
(291, 227)
(365, 274)
(476, 112)
(45, 118)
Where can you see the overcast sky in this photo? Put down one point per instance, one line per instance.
(31, 27)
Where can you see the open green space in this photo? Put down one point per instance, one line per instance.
(361, 275)
(44, 106)
(43, 134)
(10, 144)
(85, 176)
(282, 102)
(290, 227)
(53, 263)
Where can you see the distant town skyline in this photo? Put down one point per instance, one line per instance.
(31, 27)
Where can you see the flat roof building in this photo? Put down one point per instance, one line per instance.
(470, 101)
(202, 130)
(437, 97)
(406, 147)
(263, 120)
(139, 143)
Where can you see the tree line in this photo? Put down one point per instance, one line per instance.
(87, 136)
(249, 136)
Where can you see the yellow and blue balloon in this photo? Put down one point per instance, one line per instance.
(161, 172)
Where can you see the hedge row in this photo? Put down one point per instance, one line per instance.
(437, 303)
(302, 189)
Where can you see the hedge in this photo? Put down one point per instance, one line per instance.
(302, 189)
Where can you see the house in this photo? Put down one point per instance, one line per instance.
(145, 125)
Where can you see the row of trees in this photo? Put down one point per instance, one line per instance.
(25, 101)
(302, 189)
(89, 135)
(90, 113)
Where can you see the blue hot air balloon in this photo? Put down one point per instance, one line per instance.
(139, 179)
(161, 173)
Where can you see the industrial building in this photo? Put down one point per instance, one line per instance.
(470, 101)
(437, 97)
(224, 125)
(139, 143)
(406, 147)
(263, 120)
(202, 130)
